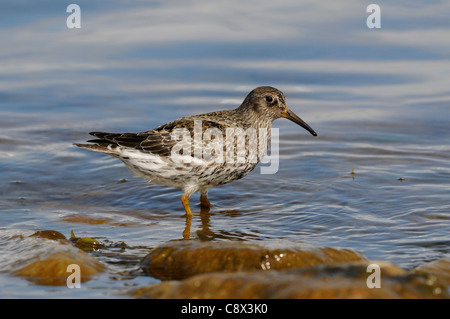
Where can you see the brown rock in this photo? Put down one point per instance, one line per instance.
(53, 269)
(182, 259)
(439, 268)
(49, 234)
(45, 262)
(343, 281)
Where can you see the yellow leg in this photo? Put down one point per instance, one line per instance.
(185, 201)
(204, 201)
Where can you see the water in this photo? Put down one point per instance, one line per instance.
(378, 99)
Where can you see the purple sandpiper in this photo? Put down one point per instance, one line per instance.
(161, 157)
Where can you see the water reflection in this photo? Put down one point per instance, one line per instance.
(205, 229)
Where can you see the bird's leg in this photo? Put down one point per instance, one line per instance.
(204, 201)
(185, 201)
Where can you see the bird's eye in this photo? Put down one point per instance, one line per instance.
(269, 99)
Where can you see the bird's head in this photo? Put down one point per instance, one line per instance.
(268, 102)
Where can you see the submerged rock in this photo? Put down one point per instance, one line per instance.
(48, 234)
(439, 268)
(52, 269)
(341, 281)
(85, 243)
(182, 259)
(44, 261)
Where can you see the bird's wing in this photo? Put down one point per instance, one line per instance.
(158, 141)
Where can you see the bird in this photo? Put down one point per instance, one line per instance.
(197, 152)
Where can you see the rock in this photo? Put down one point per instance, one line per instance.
(48, 234)
(439, 268)
(341, 281)
(238, 270)
(45, 262)
(182, 259)
(85, 243)
(52, 270)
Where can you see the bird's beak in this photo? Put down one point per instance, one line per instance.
(288, 114)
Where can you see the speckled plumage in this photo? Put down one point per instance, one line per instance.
(203, 161)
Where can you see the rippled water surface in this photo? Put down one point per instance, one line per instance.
(375, 180)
